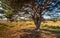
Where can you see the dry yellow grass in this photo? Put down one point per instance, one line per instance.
(51, 23)
(28, 24)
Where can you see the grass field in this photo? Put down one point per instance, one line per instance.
(26, 24)
(10, 28)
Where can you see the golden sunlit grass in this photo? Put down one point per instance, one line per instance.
(52, 23)
(27, 24)
(18, 25)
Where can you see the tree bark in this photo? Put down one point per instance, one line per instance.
(37, 20)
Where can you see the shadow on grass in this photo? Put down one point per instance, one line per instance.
(29, 33)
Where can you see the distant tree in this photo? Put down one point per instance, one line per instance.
(8, 11)
(38, 6)
(1, 11)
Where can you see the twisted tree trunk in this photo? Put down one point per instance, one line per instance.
(37, 18)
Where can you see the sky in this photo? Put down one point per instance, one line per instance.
(54, 13)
